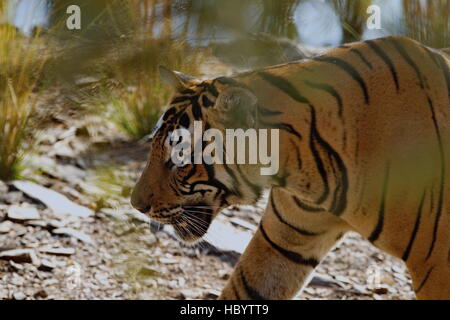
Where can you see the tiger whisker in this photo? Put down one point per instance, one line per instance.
(195, 219)
(199, 212)
(199, 225)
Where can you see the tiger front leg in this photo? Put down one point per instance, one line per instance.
(288, 245)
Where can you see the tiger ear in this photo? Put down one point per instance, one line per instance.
(237, 108)
(177, 80)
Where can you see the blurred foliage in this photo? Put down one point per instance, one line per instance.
(122, 43)
(137, 110)
(21, 63)
(428, 21)
(202, 22)
(353, 15)
(136, 104)
(109, 185)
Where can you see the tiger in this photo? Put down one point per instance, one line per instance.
(364, 146)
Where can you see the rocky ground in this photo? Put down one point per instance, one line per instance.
(71, 233)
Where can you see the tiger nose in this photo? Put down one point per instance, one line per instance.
(140, 203)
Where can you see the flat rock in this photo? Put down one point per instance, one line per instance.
(224, 237)
(46, 265)
(58, 251)
(189, 294)
(23, 213)
(37, 223)
(227, 238)
(324, 281)
(6, 226)
(74, 233)
(57, 202)
(49, 282)
(244, 224)
(168, 261)
(16, 266)
(20, 256)
(19, 296)
(212, 294)
(56, 224)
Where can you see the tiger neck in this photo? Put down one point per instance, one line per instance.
(301, 145)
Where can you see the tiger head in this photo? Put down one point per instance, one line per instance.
(189, 196)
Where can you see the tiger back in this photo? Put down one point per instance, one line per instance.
(364, 140)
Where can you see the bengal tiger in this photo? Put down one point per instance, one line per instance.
(364, 146)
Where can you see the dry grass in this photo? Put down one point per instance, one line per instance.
(21, 61)
(136, 100)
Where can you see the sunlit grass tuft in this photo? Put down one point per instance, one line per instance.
(137, 108)
(21, 61)
(135, 104)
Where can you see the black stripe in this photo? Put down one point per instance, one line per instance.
(408, 59)
(191, 173)
(251, 292)
(282, 126)
(206, 102)
(340, 195)
(386, 60)
(284, 86)
(379, 227)
(196, 109)
(188, 91)
(363, 58)
(267, 112)
(212, 181)
(184, 120)
(318, 161)
(303, 232)
(416, 228)
(180, 99)
(290, 255)
(348, 69)
(441, 183)
(290, 90)
(327, 88)
(209, 88)
(424, 280)
(306, 207)
(169, 113)
(175, 190)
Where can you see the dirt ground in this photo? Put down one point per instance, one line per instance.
(116, 253)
